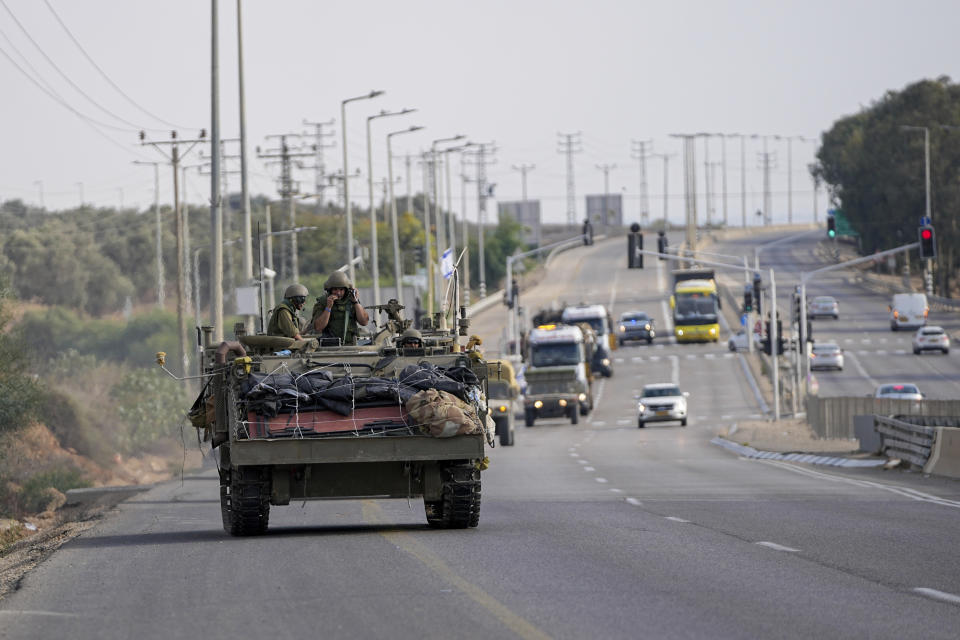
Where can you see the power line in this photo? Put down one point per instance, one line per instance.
(103, 73)
(569, 144)
(65, 76)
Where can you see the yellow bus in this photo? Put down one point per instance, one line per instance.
(696, 306)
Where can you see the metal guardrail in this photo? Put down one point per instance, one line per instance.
(943, 304)
(832, 417)
(904, 440)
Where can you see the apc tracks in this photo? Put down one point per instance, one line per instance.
(459, 506)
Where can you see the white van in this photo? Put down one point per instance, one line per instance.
(908, 311)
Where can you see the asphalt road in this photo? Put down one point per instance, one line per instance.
(599, 530)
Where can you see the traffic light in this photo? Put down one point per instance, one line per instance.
(757, 284)
(634, 247)
(928, 242)
(831, 226)
(797, 311)
(747, 299)
(661, 243)
(420, 254)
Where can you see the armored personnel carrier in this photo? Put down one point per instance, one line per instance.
(297, 420)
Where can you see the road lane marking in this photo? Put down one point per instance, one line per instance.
(943, 596)
(634, 502)
(372, 512)
(600, 423)
(589, 469)
(675, 369)
(34, 612)
(615, 490)
(574, 454)
(582, 462)
(622, 422)
(777, 547)
(618, 360)
(654, 358)
(676, 519)
(613, 289)
(906, 492)
(601, 480)
(863, 372)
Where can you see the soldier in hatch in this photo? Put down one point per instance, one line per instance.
(340, 314)
(411, 338)
(285, 318)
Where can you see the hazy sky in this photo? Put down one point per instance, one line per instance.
(515, 73)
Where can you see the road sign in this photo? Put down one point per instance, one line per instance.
(924, 220)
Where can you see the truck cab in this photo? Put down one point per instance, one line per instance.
(597, 316)
(558, 376)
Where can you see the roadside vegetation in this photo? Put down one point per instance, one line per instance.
(874, 171)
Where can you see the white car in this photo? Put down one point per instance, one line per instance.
(738, 341)
(931, 338)
(826, 355)
(824, 306)
(661, 402)
(899, 391)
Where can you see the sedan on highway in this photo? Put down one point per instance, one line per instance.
(931, 338)
(899, 391)
(824, 306)
(636, 325)
(662, 402)
(826, 355)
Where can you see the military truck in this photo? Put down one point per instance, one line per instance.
(503, 395)
(293, 421)
(558, 376)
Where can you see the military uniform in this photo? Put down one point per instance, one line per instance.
(342, 323)
(284, 321)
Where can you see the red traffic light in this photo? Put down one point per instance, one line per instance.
(926, 234)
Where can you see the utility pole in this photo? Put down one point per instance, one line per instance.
(39, 184)
(320, 166)
(689, 186)
(707, 193)
(464, 179)
(767, 161)
(723, 170)
(175, 156)
(640, 150)
(216, 213)
(484, 191)
(409, 189)
(287, 189)
(666, 185)
(743, 181)
(156, 213)
(569, 144)
(524, 169)
(247, 231)
(605, 168)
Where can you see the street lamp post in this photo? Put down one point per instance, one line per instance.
(374, 248)
(926, 170)
(346, 182)
(397, 261)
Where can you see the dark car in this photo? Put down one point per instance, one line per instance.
(636, 325)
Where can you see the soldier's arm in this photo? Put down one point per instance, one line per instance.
(321, 320)
(289, 326)
(362, 317)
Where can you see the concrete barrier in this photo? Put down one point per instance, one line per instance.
(945, 453)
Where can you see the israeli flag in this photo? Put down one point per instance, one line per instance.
(446, 264)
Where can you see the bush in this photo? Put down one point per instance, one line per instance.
(151, 407)
(34, 496)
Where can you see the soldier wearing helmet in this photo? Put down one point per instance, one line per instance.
(341, 312)
(411, 338)
(285, 318)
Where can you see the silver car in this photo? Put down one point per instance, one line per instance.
(899, 391)
(931, 338)
(826, 355)
(824, 306)
(660, 402)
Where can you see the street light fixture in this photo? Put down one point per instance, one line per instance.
(374, 249)
(346, 182)
(397, 262)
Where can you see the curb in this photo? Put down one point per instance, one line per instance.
(807, 458)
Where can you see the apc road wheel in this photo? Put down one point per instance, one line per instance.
(459, 506)
(245, 500)
(504, 432)
(574, 415)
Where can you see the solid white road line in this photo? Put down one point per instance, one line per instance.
(676, 519)
(860, 369)
(943, 596)
(777, 547)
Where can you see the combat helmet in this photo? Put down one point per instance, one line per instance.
(338, 279)
(295, 290)
(410, 335)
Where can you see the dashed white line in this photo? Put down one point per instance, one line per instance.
(777, 547)
(690, 356)
(622, 422)
(709, 356)
(634, 502)
(726, 417)
(582, 462)
(676, 519)
(618, 360)
(943, 596)
(574, 454)
(654, 358)
(588, 469)
(601, 480)
(599, 423)
(901, 352)
(615, 490)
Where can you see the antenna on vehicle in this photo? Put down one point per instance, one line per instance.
(260, 284)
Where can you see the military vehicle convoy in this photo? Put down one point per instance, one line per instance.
(558, 375)
(293, 420)
(503, 394)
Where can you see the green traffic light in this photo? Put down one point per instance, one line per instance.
(831, 233)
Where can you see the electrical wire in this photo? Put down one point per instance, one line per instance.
(73, 84)
(104, 74)
(91, 122)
